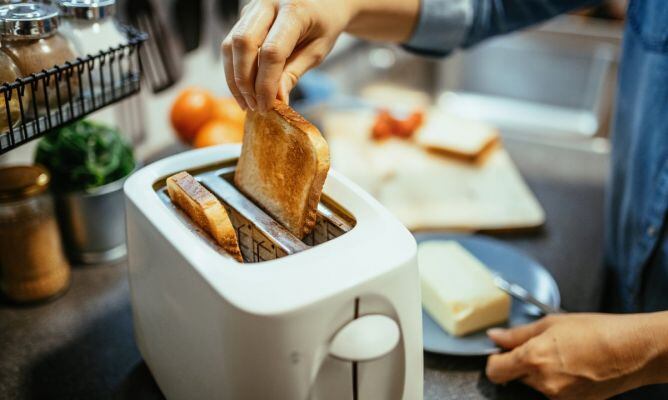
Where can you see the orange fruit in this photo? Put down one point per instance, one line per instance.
(218, 132)
(228, 110)
(191, 110)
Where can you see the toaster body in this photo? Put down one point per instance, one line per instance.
(338, 319)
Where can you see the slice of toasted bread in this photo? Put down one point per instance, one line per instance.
(205, 210)
(283, 165)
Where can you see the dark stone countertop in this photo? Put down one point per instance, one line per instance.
(81, 345)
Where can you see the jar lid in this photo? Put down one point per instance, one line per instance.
(91, 10)
(20, 182)
(31, 20)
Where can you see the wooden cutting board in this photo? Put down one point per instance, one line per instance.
(427, 191)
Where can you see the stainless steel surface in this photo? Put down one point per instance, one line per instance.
(261, 238)
(92, 223)
(87, 10)
(520, 293)
(28, 20)
(162, 54)
(250, 218)
(554, 82)
(528, 83)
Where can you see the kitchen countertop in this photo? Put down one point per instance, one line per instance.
(81, 345)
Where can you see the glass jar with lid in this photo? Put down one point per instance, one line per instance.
(33, 266)
(9, 72)
(30, 37)
(92, 27)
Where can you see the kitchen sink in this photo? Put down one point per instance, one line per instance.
(555, 82)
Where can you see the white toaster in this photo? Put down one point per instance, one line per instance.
(335, 316)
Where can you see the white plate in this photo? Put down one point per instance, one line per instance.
(512, 265)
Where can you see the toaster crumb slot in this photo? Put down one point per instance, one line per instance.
(261, 238)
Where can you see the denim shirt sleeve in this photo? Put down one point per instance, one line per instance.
(445, 25)
(442, 26)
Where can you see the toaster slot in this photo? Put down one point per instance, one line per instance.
(261, 238)
(332, 221)
(185, 220)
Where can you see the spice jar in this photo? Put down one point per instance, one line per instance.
(8, 73)
(30, 37)
(32, 263)
(92, 27)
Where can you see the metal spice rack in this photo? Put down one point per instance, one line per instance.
(90, 83)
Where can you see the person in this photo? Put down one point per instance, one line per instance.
(570, 356)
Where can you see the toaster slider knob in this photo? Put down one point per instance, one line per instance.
(366, 338)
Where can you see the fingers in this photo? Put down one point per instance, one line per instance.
(511, 338)
(240, 49)
(535, 381)
(229, 74)
(268, 51)
(506, 367)
(297, 65)
(288, 82)
(228, 63)
(278, 46)
(247, 37)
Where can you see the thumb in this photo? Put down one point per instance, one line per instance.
(286, 85)
(506, 367)
(295, 67)
(511, 338)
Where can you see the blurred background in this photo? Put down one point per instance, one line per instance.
(553, 83)
(541, 99)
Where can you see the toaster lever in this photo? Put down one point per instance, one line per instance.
(366, 338)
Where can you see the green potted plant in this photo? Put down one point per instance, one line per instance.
(89, 162)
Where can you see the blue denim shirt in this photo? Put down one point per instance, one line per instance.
(636, 253)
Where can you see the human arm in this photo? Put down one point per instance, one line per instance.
(276, 41)
(584, 356)
(445, 25)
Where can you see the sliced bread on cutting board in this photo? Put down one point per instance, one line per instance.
(459, 138)
(426, 190)
(205, 210)
(283, 165)
(436, 193)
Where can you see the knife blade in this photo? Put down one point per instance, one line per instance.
(522, 294)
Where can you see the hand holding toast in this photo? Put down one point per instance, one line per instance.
(276, 41)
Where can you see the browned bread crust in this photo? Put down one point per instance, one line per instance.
(478, 158)
(205, 210)
(283, 166)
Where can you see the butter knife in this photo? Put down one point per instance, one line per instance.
(522, 294)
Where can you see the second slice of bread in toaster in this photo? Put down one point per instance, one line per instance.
(205, 210)
(283, 165)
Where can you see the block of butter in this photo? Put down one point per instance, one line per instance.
(458, 291)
